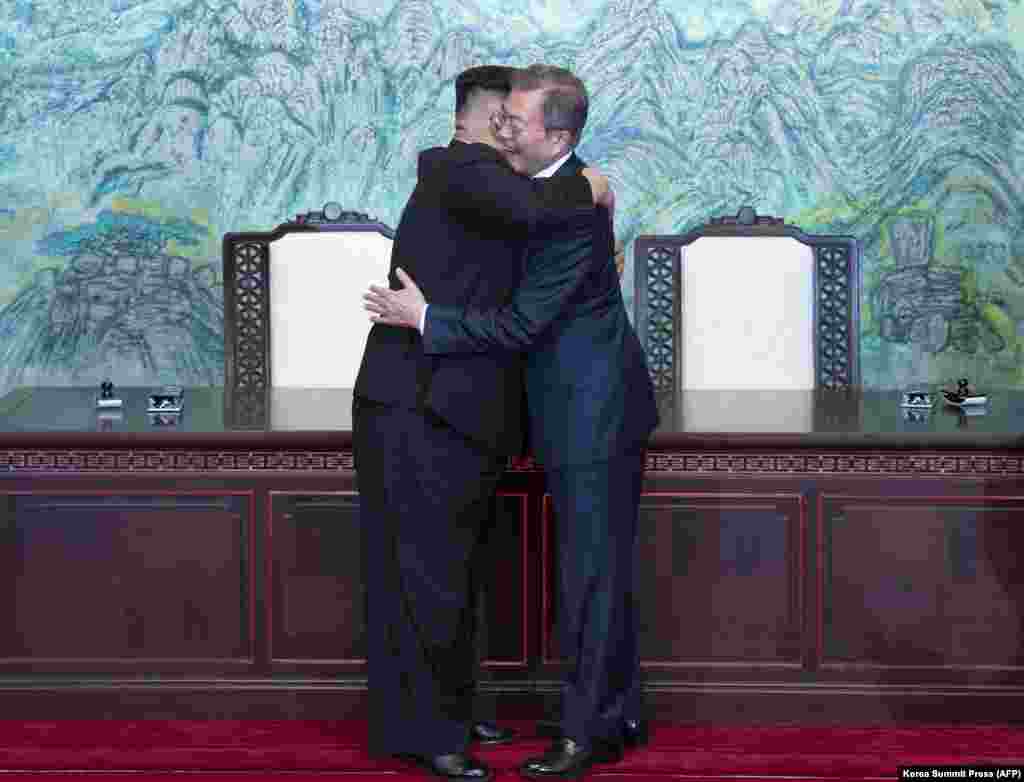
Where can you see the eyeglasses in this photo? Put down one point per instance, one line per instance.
(516, 125)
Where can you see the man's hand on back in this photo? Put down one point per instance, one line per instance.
(598, 184)
(403, 307)
(601, 188)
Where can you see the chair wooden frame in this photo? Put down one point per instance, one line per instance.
(836, 308)
(247, 309)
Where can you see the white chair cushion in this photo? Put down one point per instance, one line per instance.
(747, 314)
(318, 327)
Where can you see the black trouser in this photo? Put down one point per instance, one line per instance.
(424, 493)
(596, 516)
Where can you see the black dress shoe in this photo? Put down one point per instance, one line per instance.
(488, 733)
(457, 765)
(635, 733)
(568, 760)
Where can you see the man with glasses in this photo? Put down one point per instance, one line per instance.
(431, 434)
(592, 410)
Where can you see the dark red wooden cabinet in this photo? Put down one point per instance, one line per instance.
(863, 569)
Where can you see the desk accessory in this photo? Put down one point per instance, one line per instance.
(106, 398)
(169, 399)
(917, 399)
(964, 396)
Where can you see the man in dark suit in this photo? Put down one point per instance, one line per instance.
(592, 410)
(431, 434)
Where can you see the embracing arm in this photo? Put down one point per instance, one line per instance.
(556, 269)
(480, 184)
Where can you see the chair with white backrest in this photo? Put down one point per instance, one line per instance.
(294, 317)
(748, 307)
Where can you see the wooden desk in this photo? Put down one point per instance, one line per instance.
(806, 556)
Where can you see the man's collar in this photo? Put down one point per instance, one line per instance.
(550, 170)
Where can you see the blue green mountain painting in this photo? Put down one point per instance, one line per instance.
(135, 133)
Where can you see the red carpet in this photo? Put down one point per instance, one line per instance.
(303, 751)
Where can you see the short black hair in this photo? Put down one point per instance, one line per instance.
(496, 78)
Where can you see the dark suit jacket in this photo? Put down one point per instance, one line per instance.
(589, 389)
(462, 238)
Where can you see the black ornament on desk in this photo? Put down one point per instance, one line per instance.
(966, 397)
(106, 399)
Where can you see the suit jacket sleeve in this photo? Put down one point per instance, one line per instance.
(482, 186)
(559, 262)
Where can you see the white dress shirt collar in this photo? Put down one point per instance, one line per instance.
(550, 170)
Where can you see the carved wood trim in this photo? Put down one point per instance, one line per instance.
(152, 461)
(694, 463)
(840, 463)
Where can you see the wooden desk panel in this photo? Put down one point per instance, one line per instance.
(315, 609)
(948, 599)
(101, 580)
(721, 581)
(851, 572)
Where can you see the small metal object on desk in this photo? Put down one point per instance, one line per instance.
(106, 397)
(965, 397)
(917, 399)
(169, 399)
